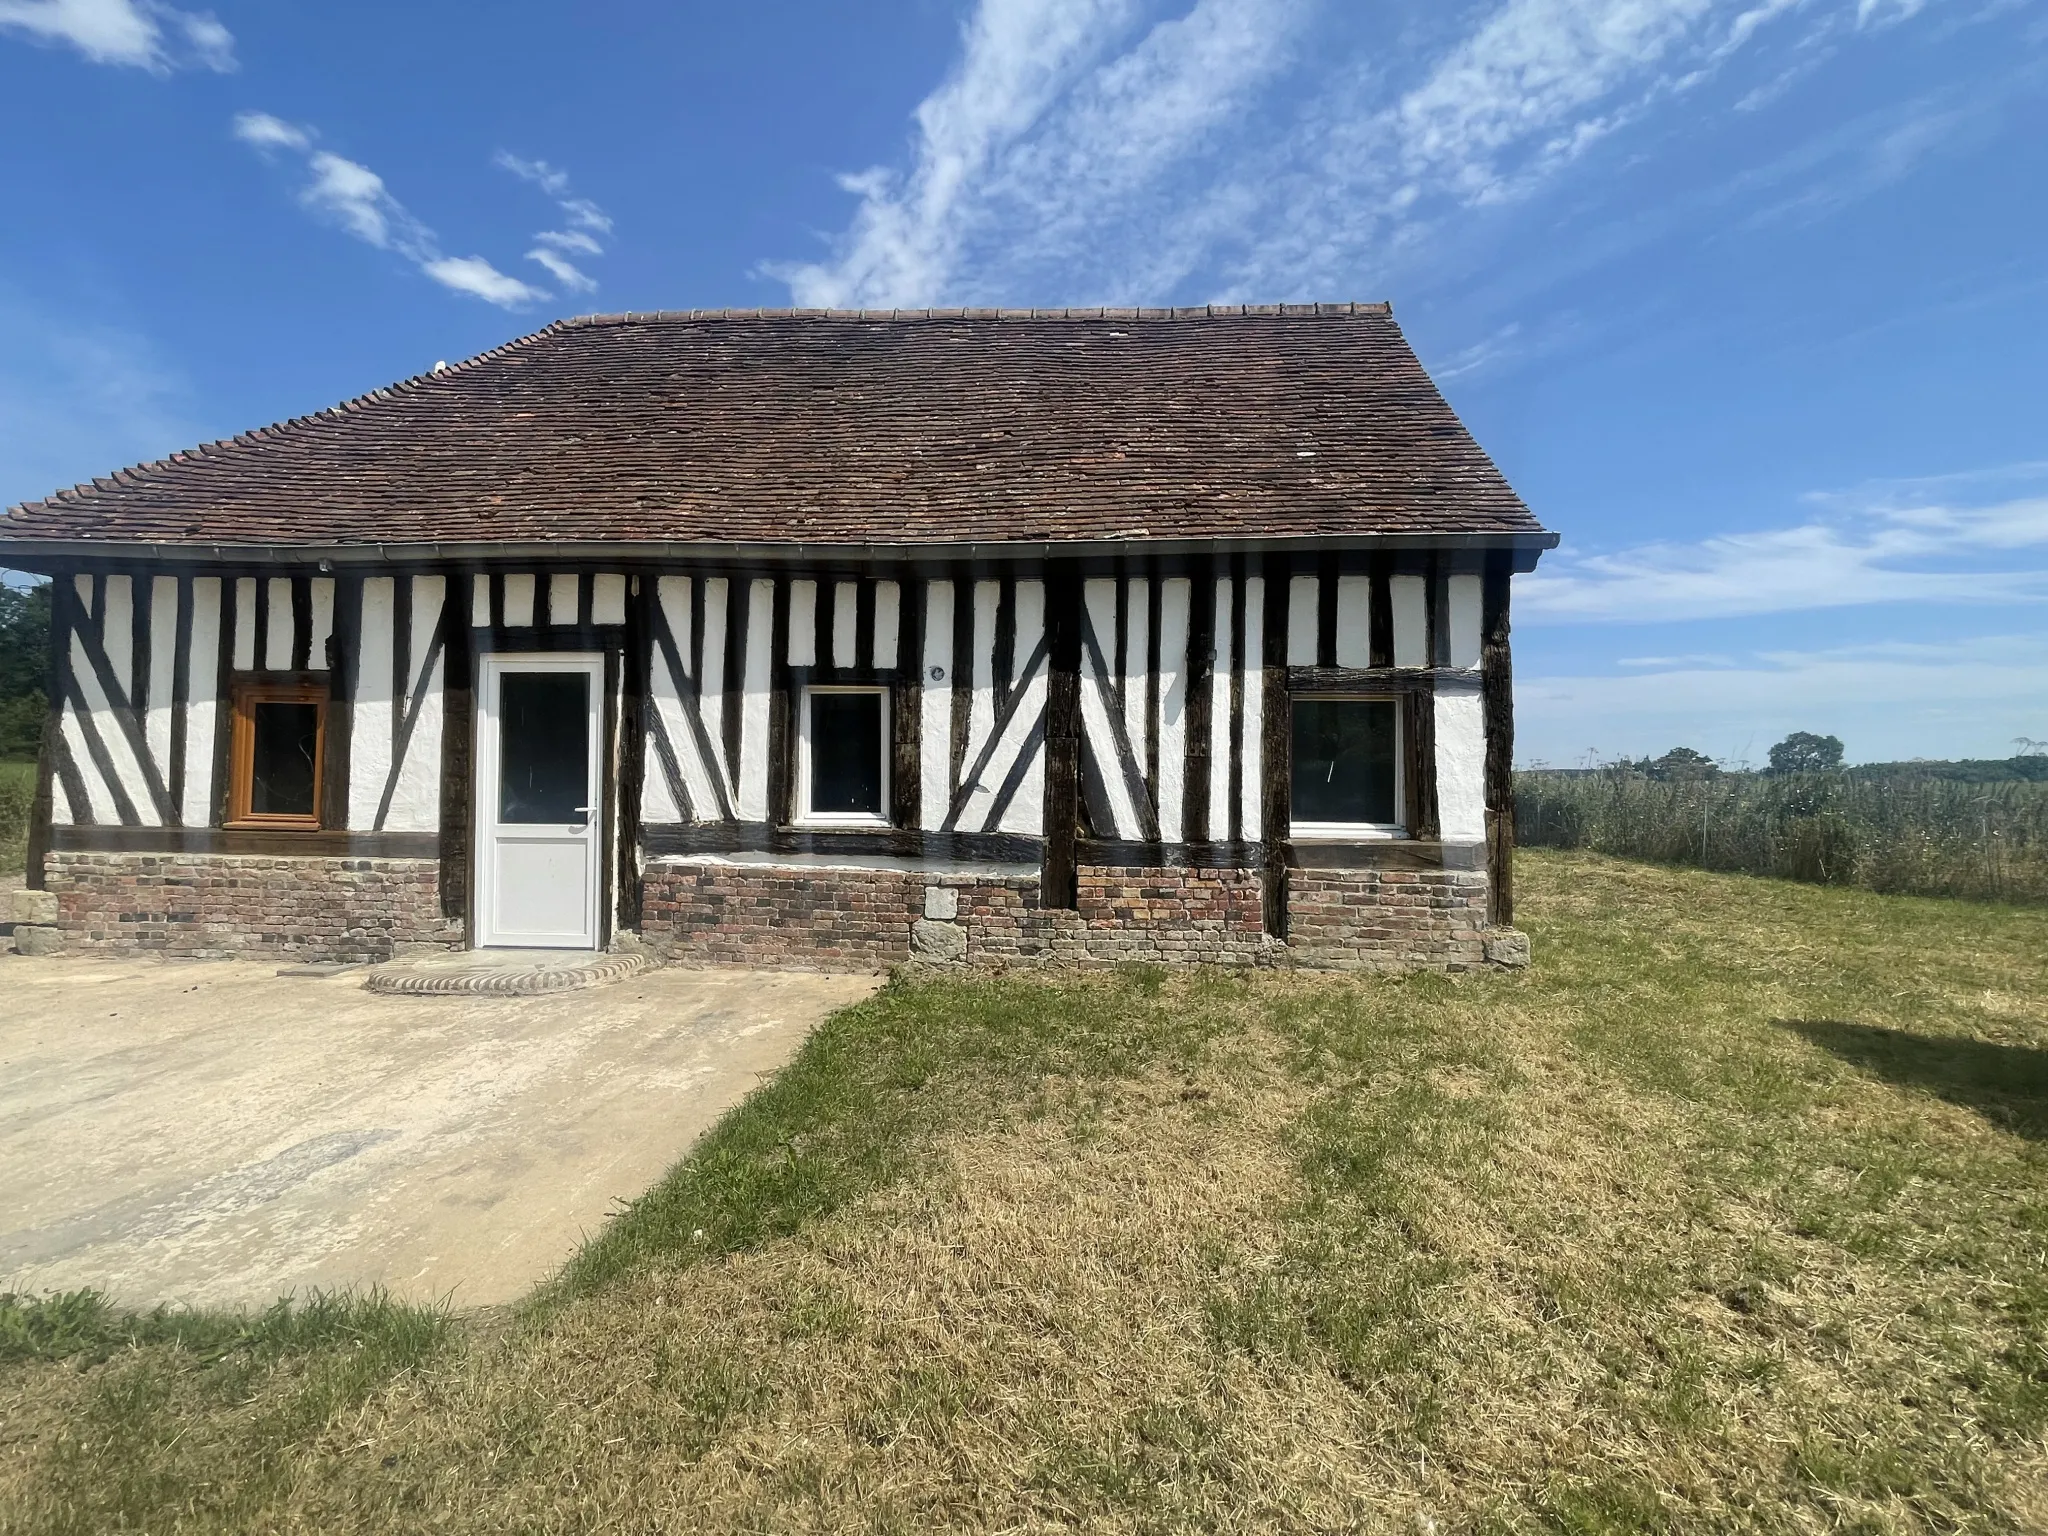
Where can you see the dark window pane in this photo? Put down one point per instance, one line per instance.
(846, 753)
(544, 747)
(1344, 760)
(281, 776)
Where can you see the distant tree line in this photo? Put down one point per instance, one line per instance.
(1805, 752)
(24, 663)
(1973, 829)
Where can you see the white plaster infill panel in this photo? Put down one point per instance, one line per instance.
(1354, 621)
(754, 702)
(204, 685)
(245, 624)
(1408, 596)
(163, 658)
(1304, 616)
(1460, 761)
(322, 629)
(1137, 660)
(369, 764)
(711, 688)
(888, 604)
(1175, 592)
(981, 708)
(416, 791)
(1462, 594)
(803, 623)
(519, 601)
(845, 621)
(564, 594)
(935, 760)
(277, 637)
(117, 631)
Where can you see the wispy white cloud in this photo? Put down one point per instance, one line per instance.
(1888, 543)
(1260, 148)
(1964, 697)
(566, 272)
(354, 198)
(259, 130)
(141, 34)
(585, 220)
(473, 275)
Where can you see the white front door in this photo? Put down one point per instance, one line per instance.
(539, 801)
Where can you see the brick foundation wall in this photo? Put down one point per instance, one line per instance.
(221, 906)
(736, 914)
(218, 906)
(1386, 919)
(860, 919)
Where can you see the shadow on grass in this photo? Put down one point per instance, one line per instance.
(2006, 1084)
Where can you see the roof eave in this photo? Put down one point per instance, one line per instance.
(48, 556)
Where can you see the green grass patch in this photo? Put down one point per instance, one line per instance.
(874, 1083)
(1731, 1214)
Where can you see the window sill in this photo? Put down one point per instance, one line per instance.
(856, 823)
(1346, 832)
(272, 824)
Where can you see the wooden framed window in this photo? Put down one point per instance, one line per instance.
(842, 764)
(1348, 778)
(279, 740)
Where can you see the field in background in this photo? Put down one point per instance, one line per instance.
(1907, 834)
(17, 795)
(1731, 1214)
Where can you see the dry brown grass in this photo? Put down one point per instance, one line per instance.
(1612, 1246)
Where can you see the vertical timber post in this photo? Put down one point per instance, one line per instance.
(458, 715)
(1497, 691)
(637, 655)
(1058, 877)
(1276, 745)
(42, 815)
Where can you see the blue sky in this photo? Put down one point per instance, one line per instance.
(1749, 299)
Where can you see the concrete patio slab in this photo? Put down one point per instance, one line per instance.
(215, 1133)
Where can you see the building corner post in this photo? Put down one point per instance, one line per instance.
(43, 811)
(1497, 687)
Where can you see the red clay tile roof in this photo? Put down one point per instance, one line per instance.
(776, 427)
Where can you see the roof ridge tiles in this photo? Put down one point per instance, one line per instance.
(1379, 309)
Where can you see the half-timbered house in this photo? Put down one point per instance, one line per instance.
(826, 638)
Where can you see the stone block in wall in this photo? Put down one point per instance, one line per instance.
(1508, 947)
(943, 943)
(32, 907)
(38, 939)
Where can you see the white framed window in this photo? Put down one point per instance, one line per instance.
(842, 757)
(1348, 781)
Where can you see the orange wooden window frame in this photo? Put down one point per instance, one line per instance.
(242, 752)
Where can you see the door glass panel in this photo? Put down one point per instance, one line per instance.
(1344, 761)
(846, 753)
(287, 735)
(544, 747)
